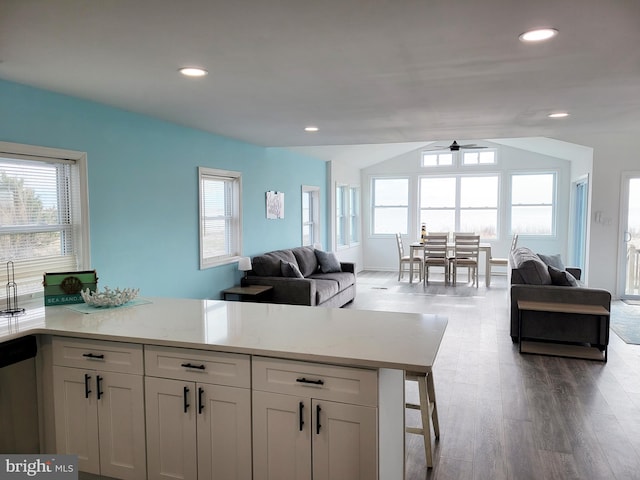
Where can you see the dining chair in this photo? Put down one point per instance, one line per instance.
(404, 260)
(435, 255)
(466, 250)
(502, 262)
(452, 235)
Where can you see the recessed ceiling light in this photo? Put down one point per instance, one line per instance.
(311, 128)
(193, 72)
(558, 115)
(538, 35)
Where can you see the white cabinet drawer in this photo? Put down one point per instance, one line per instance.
(326, 382)
(97, 355)
(232, 369)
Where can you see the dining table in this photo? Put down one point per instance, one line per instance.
(484, 247)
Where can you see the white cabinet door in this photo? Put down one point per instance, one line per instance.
(281, 437)
(171, 429)
(121, 425)
(76, 416)
(344, 441)
(224, 432)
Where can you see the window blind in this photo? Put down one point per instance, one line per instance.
(219, 222)
(39, 208)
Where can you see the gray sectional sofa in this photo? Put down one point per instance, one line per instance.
(533, 279)
(299, 278)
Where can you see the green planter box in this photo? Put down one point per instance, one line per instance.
(63, 288)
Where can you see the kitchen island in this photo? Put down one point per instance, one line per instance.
(266, 336)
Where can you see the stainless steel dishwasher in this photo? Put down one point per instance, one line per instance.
(18, 396)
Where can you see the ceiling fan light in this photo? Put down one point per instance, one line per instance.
(538, 35)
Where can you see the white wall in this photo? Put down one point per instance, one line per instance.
(613, 154)
(380, 252)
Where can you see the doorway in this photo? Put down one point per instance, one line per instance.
(580, 216)
(629, 257)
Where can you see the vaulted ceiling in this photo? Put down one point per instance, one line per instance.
(363, 71)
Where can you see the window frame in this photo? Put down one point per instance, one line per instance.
(479, 164)
(78, 207)
(355, 215)
(235, 249)
(457, 208)
(553, 204)
(438, 154)
(373, 206)
(314, 217)
(454, 208)
(342, 215)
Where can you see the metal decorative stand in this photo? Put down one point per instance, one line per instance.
(12, 294)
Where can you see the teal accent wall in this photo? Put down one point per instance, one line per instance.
(143, 189)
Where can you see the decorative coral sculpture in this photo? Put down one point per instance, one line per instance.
(109, 298)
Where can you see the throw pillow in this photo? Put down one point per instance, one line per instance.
(306, 259)
(289, 269)
(530, 267)
(268, 265)
(552, 260)
(328, 262)
(562, 277)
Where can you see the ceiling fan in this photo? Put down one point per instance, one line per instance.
(455, 146)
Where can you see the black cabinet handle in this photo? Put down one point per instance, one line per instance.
(87, 377)
(191, 365)
(314, 382)
(93, 355)
(186, 399)
(98, 380)
(200, 404)
(301, 408)
(318, 409)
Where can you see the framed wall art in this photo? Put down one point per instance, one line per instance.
(275, 205)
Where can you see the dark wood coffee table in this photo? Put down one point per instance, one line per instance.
(250, 293)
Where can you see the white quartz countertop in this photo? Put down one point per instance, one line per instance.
(363, 338)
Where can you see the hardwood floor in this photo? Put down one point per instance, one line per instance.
(505, 415)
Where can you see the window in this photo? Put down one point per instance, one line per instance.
(460, 203)
(43, 213)
(341, 215)
(532, 203)
(437, 159)
(347, 215)
(310, 215)
(479, 205)
(482, 157)
(354, 215)
(438, 203)
(220, 219)
(390, 205)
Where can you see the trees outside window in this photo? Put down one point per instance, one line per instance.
(43, 213)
